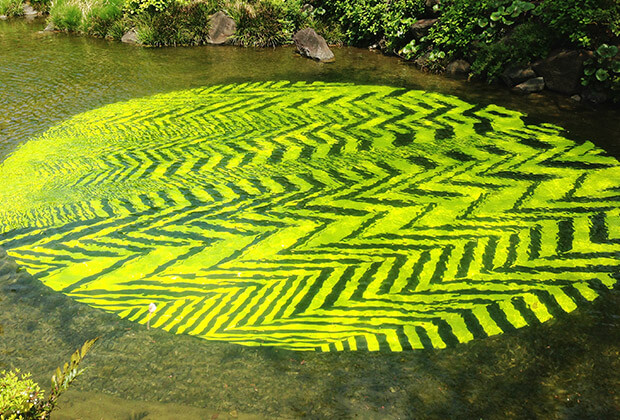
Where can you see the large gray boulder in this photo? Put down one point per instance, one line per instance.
(130, 37)
(312, 45)
(221, 28)
(562, 70)
(29, 12)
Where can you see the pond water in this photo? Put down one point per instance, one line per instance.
(353, 239)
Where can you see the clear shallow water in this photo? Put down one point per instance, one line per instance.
(537, 364)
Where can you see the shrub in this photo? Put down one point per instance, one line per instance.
(176, 25)
(11, 7)
(368, 21)
(585, 23)
(66, 15)
(19, 395)
(22, 399)
(527, 42)
(265, 23)
(147, 6)
(101, 17)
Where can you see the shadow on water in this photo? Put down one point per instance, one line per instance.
(566, 368)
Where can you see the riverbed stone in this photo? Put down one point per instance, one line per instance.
(535, 84)
(130, 37)
(3, 17)
(221, 28)
(312, 45)
(458, 68)
(562, 70)
(514, 75)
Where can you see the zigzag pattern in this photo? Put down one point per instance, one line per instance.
(315, 216)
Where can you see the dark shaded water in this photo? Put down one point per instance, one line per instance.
(565, 368)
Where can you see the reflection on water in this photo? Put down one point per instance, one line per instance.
(561, 368)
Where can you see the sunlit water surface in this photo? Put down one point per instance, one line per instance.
(563, 368)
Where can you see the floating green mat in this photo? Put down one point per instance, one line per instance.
(315, 216)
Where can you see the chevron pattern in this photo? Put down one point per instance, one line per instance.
(315, 216)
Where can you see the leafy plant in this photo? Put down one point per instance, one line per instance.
(19, 395)
(602, 72)
(22, 399)
(584, 23)
(526, 42)
(368, 21)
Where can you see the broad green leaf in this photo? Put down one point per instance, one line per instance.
(602, 75)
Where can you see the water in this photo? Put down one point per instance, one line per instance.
(562, 368)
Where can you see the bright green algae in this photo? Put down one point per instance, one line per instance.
(315, 216)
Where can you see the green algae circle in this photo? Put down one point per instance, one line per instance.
(315, 216)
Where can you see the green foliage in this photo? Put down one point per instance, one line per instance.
(11, 8)
(266, 23)
(527, 42)
(584, 23)
(99, 20)
(367, 21)
(465, 24)
(602, 72)
(40, 5)
(117, 29)
(147, 6)
(21, 398)
(19, 395)
(66, 15)
(177, 25)
(397, 21)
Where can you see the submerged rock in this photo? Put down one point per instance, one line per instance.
(221, 28)
(530, 86)
(562, 70)
(515, 75)
(130, 37)
(312, 45)
(458, 68)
